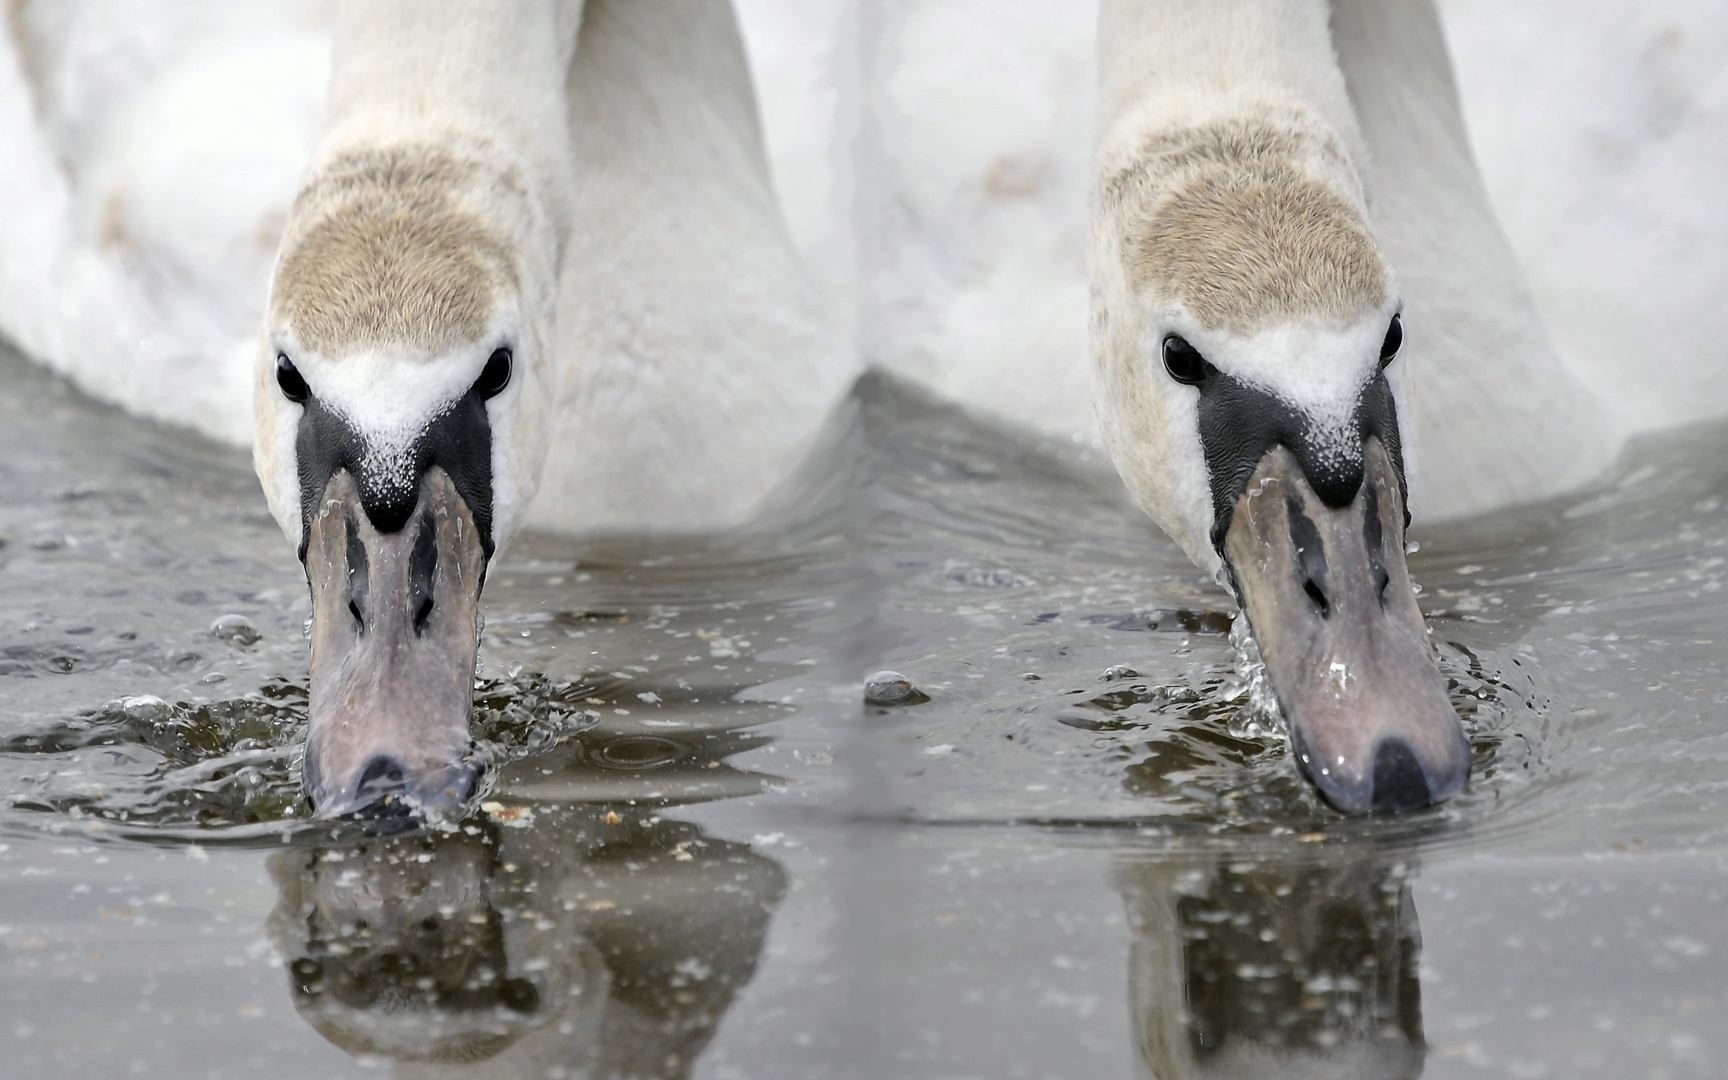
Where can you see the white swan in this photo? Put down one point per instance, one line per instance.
(532, 275)
(1248, 341)
(535, 272)
(1362, 99)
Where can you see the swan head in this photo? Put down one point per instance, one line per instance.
(1247, 332)
(401, 398)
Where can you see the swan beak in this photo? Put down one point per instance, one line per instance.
(1328, 596)
(394, 642)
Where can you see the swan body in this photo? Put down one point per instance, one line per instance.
(153, 150)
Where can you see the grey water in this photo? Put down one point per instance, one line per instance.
(1087, 854)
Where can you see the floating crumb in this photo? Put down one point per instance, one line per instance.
(513, 816)
(612, 817)
(1310, 838)
(599, 905)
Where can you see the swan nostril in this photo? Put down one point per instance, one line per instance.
(1374, 538)
(358, 580)
(1310, 559)
(1317, 595)
(423, 571)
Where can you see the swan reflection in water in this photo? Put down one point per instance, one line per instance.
(1240, 969)
(602, 940)
(575, 947)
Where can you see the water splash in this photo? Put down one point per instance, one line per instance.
(1260, 716)
(232, 768)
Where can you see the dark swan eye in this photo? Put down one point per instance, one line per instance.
(288, 377)
(495, 376)
(1184, 362)
(1394, 341)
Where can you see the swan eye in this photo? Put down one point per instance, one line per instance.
(293, 384)
(1394, 341)
(495, 376)
(1184, 362)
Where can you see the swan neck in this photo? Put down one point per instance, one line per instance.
(1164, 64)
(459, 71)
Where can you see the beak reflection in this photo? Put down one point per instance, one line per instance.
(1329, 598)
(394, 645)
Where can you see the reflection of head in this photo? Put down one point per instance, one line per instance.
(584, 951)
(1245, 970)
(406, 958)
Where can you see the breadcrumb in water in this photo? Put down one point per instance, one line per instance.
(515, 816)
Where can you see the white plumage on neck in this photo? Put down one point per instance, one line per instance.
(1163, 63)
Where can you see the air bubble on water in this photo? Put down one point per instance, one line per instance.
(235, 630)
(1412, 547)
(306, 628)
(890, 688)
(143, 707)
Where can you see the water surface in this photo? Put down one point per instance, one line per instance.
(1087, 854)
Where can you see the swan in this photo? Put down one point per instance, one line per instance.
(535, 273)
(1248, 342)
(525, 266)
